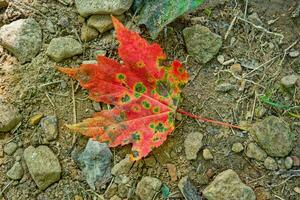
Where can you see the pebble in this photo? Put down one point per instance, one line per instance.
(202, 43)
(273, 135)
(122, 167)
(296, 161)
(221, 59)
(289, 81)
(228, 185)
(255, 152)
(88, 33)
(293, 53)
(270, 163)
(207, 155)
(10, 148)
(150, 161)
(43, 165)
(192, 145)
(96, 106)
(111, 191)
(148, 187)
(35, 119)
(188, 190)
(63, 47)
(297, 190)
(224, 87)
(16, 172)
(9, 117)
(95, 163)
(49, 125)
(237, 147)
(23, 38)
(102, 23)
(92, 7)
(77, 197)
(3, 4)
(236, 68)
(288, 162)
(172, 172)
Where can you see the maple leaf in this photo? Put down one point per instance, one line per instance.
(145, 94)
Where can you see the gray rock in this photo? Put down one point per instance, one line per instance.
(237, 147)
(63, 47)
(270, 163)
(192, 145)
(95, 163)
(188, 190)
(49, 125)
(43, 165)
(16, 172)
(9, 117)
(207, 155)
(23, 38)
(254, 151)
(201, 42)
(3, 4)
(254, 18)
(228, 185)
(273, 135)
(10, 148)
(294, 53)
(92, 7)
(224, 87)
(148, 187)
(122, 167)
(288, 162)
(88, 33)
(289, 81)
(102, 23)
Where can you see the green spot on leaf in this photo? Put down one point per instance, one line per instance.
(156, 109)
(136, 136)
(139, 87)
(146, 104)
(126, 98)
(163, 88)
(121, 76)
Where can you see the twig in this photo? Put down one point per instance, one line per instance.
(5, 187)
(74, 112)
(230, 27)
(48, 97)
(246, 9)
(51, 83)
(263, 29)
(278, 197)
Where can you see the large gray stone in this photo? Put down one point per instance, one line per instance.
(9, 117)
(148, 187)
(273, 135)
(192, 145)
(23, 38)
(43, 165)
(228, 185)
(63, 47)
(91, 7)
(201, 42)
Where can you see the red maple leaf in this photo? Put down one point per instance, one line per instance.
(144, 92)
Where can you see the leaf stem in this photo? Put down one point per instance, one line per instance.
(208, 120)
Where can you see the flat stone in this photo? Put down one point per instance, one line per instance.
(224, 87)
(9, 117)
(237, 147)
(289, 81)
(270, 163)
(273, 135)
(10, 148)
(49, 125)
(148, 187)
(288, 162)
(102, 23)
(188, 190)
(207, 155)
(23, 38)
(202, 43)
(172, 171)
(228, 185)
(92, 7)
(192, 145)
(88, 33)
(122, 167)
(43, 165)
(16, 172)
(255, 152)
(63, 47)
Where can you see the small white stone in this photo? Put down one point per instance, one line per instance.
(221, 59)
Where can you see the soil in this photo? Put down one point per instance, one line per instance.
(37, 87)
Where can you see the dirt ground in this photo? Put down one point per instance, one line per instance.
(37, 87)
